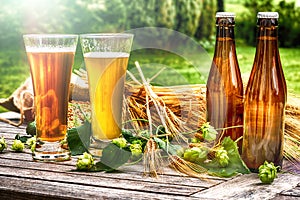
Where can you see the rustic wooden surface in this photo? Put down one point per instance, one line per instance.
(23, 178)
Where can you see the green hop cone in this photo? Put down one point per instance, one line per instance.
(3, 144)
(195, 140)
(209, 132)
(267, 172)
(18, 146)
(195, 155)
(187, 154)
(32, 148)
(120, 142)
(31, 143)
(31, 128)
(85, 162)
(136, 150)
(222, 156)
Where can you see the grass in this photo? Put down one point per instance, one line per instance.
(181, 71)
(13, 72)
(178, 70)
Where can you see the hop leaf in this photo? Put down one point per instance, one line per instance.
(3, 144)
(267, 172)
(17, 146)
(79, 138)
(85, 162)
(235, 163)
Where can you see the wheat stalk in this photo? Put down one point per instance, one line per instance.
(185, 109)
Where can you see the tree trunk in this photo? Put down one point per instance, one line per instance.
(220, 6)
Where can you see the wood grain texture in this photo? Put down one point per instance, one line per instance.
(249, 187)
(23, 178)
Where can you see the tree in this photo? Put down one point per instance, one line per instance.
(206, 24)
(188, 15)
(220, 6)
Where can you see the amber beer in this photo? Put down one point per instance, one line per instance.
(265, 98)
(224, 94)
(106, 80)
(51, 92)
(50, 58)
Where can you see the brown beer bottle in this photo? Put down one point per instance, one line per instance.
(265, 98)
(224, 94)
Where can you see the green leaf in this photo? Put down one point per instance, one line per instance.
(79, 138)
(168, 147)
(23, 139)
(235, 165)
(100, 167)
(127, 134)
(112, 158)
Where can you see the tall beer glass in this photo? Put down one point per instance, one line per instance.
(50, 58)
(106, 58)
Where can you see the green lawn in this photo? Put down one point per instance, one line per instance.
(185, 72)
(290, 60)
(178, 70)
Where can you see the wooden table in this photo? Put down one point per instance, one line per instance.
(23, 178)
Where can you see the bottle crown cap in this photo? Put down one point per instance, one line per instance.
(274, 15)
(225, 14)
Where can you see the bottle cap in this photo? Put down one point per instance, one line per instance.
(274, 15)
(225, 14)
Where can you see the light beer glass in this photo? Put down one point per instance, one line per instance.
(50, 57)
(106, 58)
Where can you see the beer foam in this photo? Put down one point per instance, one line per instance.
(106, 55)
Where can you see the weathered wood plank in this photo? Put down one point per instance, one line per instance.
(23, 188)
(281, 197)
(292, 192)
(249, 187)
(137, 175)
(47, 180)
(107, 182)
(9, 132)
(6, 125)
(168, 175)
(11, 115)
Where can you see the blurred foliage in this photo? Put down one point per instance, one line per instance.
(12, 72)
(289, 24)
(19, 17)
(188, 15)
(180, 15)
(194, 18)
(207, 20)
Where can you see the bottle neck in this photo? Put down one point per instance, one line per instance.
(267, 30)
(225, 28)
